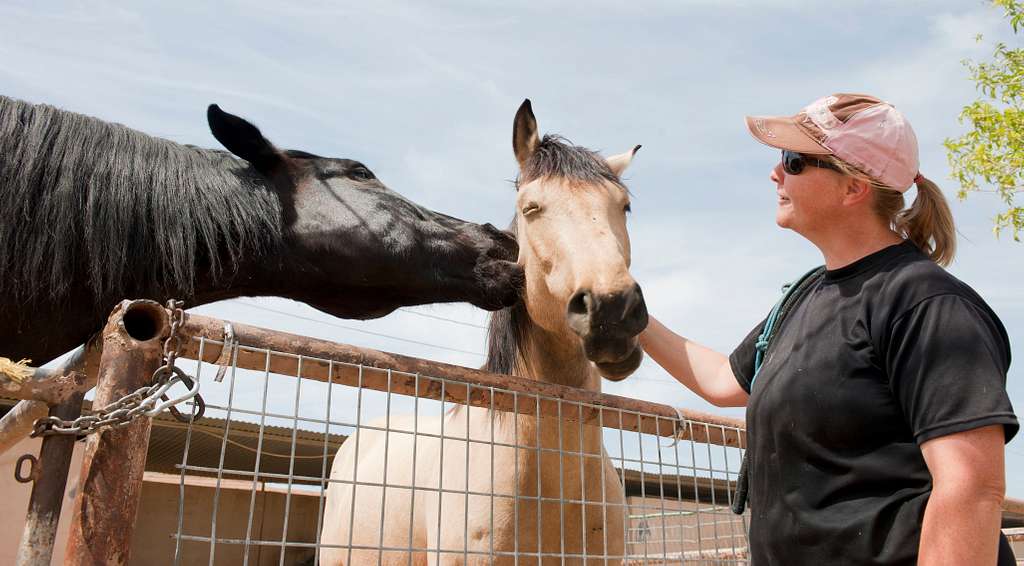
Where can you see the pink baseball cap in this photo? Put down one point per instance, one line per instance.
(865, 132)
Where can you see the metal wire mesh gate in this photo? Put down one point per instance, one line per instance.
(439, 464)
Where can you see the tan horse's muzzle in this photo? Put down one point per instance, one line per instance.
(608, 324)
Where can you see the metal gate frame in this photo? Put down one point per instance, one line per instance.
(128, 351)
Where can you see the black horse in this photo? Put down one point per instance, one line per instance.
(93, 212)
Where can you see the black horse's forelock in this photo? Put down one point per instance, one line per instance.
(85, 199)
(557, 157)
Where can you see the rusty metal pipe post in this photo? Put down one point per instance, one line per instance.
(111, 478)
(51, 478)
(16, 425)
(76, 375)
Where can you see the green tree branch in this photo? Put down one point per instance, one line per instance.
(991, 153)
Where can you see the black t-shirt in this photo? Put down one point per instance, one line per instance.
(878, 357)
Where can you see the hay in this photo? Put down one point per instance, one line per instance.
(16, 372)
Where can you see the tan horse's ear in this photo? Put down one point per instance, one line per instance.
(618, 163)
(524, 133)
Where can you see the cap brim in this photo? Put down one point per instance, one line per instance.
(781, 132)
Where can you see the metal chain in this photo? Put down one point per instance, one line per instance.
(150, 400)
(171, 347)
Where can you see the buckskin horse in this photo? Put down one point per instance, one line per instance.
(577, 321)
(92, 212)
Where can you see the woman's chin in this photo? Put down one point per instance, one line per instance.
(784, 214)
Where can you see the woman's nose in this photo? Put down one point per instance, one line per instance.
(777, 175)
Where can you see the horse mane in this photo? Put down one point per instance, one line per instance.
(557, 157)
(506, 334)
(84, 199)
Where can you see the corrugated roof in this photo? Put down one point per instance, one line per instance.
(239, 442)
(168, 438)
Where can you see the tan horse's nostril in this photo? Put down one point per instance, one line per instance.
(632, 299)
(580, 303)
(578, 312)
(635, 306)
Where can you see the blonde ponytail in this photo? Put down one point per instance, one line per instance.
(928, 223)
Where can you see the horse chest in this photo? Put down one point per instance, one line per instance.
(555, 484)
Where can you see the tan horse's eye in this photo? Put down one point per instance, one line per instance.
(627, 209)
(532, 208)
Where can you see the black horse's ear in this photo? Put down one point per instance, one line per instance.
(243, 139)
(524, 133)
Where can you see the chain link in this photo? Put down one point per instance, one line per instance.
(150, 400)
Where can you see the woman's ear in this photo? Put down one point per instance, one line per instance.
(857, 191)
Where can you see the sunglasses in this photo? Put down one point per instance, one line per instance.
(793, 163)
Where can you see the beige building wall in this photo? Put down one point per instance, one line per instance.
(1016, 537)
(15, 498)
(157, 522)
(700, 534)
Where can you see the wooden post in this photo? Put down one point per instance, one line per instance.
(111, 479)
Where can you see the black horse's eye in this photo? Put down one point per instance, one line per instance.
(361, 173)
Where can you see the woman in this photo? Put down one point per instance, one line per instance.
(877, 420)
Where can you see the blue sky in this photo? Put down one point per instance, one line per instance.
(425, 96)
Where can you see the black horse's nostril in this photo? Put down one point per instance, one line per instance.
(495, 243)
(497, 233)
(503, 236)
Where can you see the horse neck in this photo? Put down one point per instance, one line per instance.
(557, 358)
(261, 269)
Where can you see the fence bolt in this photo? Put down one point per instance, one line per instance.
(33, 469)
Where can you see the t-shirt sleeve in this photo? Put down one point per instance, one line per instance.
(947, 359)
(742, 358)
